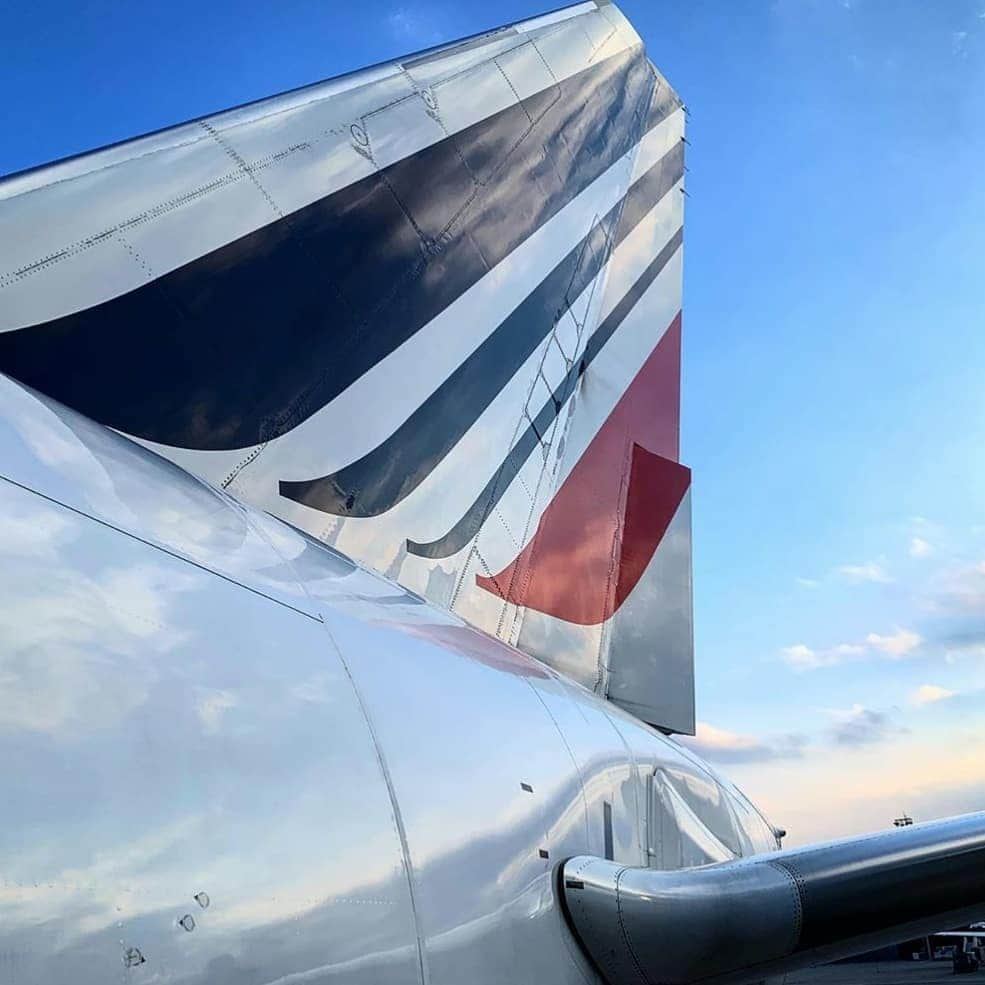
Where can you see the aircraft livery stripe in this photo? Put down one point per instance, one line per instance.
(615, 506)
(468, 526)
(243, 343)
(383, 477)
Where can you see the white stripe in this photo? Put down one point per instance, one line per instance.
(637, 250)
(165, 194)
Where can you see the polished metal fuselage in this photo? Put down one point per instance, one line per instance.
(231, 755)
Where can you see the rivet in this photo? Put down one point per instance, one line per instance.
(132, 957)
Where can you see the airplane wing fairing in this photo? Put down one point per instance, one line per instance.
(741, 921)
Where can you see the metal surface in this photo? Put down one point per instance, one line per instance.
(201, 703)
(402, 310)
(740, 921)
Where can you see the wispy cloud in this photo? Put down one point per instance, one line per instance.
(899, 644)
(802, 657)
(861, 726)
(920, 548)
(720, 745)
(929, 694)
(896, 645)
(874, 571)
(413, 24)
(211, 708)
(808, 582)
(961, 590)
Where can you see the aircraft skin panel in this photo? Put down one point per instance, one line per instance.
(315, 748)
(299, 145)
(500, 829)
(617, 495)
(174, 735)
(317, 444)
(396, 309)
(652, 632)
(561, 370)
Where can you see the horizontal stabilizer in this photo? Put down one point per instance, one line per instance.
(745, 920)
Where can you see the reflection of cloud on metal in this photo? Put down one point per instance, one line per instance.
(211, 708)
(90, 898)
(79, 645)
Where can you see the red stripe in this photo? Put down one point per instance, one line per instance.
(600, 531)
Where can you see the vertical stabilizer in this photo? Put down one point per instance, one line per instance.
(429, 312)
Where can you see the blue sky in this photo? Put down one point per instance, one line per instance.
(834, 351)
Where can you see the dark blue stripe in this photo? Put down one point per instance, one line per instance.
(477, 514)
(391, 471)
(242, 344)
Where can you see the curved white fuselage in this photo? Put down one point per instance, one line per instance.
(198, 699)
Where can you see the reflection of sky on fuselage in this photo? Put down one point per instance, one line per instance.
(177, 732)
(151, 722)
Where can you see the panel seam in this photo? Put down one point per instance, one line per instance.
(397, 817)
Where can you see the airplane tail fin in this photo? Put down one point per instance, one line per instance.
(429, 312)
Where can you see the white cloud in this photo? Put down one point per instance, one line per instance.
(928, 694)
(860, 726)
(874, 571)
(212, 707)
(808, 582)
(81, 648)
(801, 657)
(709, 737)
(895, 646)
(720, 745)
(920, 548)
(961, 590)
(411, 24)
(38, 536)
(902, 642)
